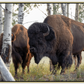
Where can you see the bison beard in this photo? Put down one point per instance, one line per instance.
(57, 44)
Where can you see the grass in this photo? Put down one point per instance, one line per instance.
(41, 72)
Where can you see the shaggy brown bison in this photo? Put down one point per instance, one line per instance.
(77, 30)
(52, 38)
(20, 47)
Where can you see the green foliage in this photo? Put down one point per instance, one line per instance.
(81, 12)
(27, 8)
(14, 18)
(56, 8)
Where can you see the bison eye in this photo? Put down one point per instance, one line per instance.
(33, 50)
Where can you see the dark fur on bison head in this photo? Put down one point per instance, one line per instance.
(41, 42)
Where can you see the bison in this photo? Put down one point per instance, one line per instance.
(77, 30)
(57, 37)
(20, 47)
(52, 38)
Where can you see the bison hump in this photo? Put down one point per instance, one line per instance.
(67, 21)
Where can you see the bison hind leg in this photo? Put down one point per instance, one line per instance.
(16, 65)
(23, 68)
(27, 69)
(79, 58)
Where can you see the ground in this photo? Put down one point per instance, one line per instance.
(41, 72)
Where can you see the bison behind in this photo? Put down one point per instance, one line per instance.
(20, 47)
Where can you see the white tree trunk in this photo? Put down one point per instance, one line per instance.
(49, 9)
(7, 26)
(6, 75)
(67, 9)
(76, 12)
(20, 14)
(63, 6)
(6, 48)
(1, 23)
(54, 9)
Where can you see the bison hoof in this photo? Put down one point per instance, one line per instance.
(76, 69)
(62, 72)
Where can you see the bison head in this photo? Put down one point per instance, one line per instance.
(41, 36)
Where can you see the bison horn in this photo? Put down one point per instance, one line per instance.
(47, 33)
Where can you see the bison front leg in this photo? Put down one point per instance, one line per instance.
(23, 68)
(53, 62)
(66, 61)
(63, 69)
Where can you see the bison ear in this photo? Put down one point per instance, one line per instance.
(51, 34)
(13, 37)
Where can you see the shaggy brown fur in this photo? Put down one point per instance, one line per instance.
(20, 47)
(77, 30)
(65, 38)
(57, 45)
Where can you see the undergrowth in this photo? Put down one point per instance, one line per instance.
(41, 72)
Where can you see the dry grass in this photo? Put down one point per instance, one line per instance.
(41, 73)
